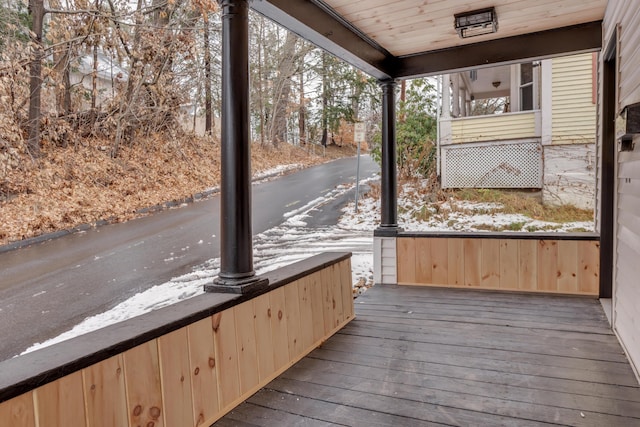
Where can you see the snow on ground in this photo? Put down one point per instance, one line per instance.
(282, 245)
(294, 240)
(275, 171)
(451, 215)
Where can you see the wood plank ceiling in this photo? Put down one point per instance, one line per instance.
(407, 38)
(407, 27)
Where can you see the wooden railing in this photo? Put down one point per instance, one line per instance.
(183, 365)
(531, 262)
(493, 127)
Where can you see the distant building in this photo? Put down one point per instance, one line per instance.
(543, 135)
(108, 76)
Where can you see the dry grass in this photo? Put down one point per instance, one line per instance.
(82, 184)
(518, 202)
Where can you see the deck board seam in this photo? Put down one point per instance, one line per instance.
(624, 387)
(497, 399)
(437, 405)
(353, 406)
(365, 317)
(490, 348)
(292, 413)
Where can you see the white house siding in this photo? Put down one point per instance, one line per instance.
(569, 175)
(626, 302)
(384, 260)
(510, 126)
(573, 115)
(569, 162)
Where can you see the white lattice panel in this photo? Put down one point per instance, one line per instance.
(516, 165)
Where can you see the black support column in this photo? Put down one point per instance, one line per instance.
(236, 246)
(389, 209)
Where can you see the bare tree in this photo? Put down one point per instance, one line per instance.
(36, 12)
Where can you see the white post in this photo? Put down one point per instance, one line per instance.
(456, 95)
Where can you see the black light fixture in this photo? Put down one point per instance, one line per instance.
(476, 23)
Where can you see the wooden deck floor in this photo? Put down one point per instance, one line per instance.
(424, 356)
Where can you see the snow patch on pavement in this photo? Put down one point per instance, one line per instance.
(277, 247)
(293, 241)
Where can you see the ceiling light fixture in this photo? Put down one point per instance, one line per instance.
(476, 23)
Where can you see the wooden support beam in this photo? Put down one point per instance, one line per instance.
(318, 24)
(509, 50)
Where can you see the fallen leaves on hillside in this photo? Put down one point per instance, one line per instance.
(82, 184)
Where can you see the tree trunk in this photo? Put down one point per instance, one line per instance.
(325, 100)
(403, 97)
(36, 12)
(260, 90)
(282, 90)
(207, 79)
(132, 84)
(94, 83)
(63, 94)
(302, 110)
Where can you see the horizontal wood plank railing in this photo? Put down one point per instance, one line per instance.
(183, 365)
(531, 262)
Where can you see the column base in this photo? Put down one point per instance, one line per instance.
(387, 231)
(241, 286)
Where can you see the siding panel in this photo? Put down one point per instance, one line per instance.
(492, 128)
(573, 114)
(625, 15)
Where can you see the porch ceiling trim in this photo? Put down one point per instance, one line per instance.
(326, 29)
(320, 25)
(544, 44)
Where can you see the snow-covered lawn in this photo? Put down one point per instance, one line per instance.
(294, 240)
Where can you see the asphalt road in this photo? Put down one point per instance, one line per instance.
(47, 288)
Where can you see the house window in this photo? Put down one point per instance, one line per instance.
(526, 87)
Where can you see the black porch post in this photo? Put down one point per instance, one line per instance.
(236, 247)
(389, 215)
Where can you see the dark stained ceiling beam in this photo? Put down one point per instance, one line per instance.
(544, 44)
(315, 22)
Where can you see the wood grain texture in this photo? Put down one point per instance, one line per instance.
(292, 315)
(225, 339)
(528, 265)
(194, 374)
(280, 334)
(545, 265)
(589, 267)
(104, 393)
(455, 262)
(490, 263)
(327, 295)
(202, 365)
(568, 267)
(337, 283)
(306, 316)
(142, 380)
(472, 262)
(246, 346)
(61, 403)
(424, 261)
(509, 258)
(440, 261)
(406, 261)
(399, 26)
(264, 346)
(317, 310)
(18, 412)
(347, 290)
(457, 356)
(173, 352)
